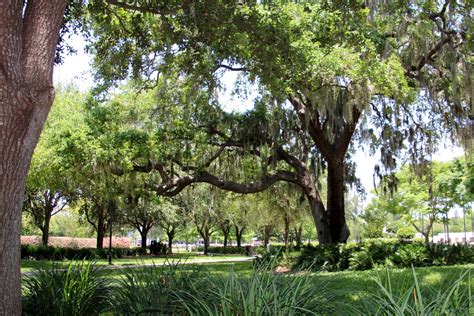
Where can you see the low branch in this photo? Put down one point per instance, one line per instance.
(230, 68)
(177, 185)
(134, 7)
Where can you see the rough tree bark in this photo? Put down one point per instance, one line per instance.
(29, 34)
(335, 202)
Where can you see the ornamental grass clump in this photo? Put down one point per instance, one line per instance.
(263, 293)
(413, 299)
(152, 290)
(78, 289)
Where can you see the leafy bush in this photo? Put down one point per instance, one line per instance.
(406, 233)
(381, 252)
(77, 290)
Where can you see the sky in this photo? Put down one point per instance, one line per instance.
(76, 69)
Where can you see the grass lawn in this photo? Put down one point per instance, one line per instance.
(31, 265)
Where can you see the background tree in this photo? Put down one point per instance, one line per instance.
(142, 212)
(203, 207)
(422, 199)
(49, 185)
(173, 218)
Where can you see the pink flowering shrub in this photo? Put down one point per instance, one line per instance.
(69, 242)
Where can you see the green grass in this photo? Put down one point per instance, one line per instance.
(31, 265)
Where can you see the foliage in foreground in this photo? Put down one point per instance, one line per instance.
(178, 289)
(78, 289)
(378, 252)
(412, 299)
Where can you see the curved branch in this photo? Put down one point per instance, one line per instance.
(177, 185)
(132, 7)
(230, 68)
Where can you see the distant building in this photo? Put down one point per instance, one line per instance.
(454, 238)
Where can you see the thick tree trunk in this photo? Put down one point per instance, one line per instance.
(335, 202)
(238, 235)
(28, 38)
(170, 234)
(12, 176)
(320, 216)
(21, 120)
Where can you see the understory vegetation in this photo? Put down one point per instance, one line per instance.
(379, 252)
(238, 289)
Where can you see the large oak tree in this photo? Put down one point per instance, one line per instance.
(29, 34)
(339, 65)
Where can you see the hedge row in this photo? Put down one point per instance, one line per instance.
(34, 252)
(378, 252)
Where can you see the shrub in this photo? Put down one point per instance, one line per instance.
(406, 233)
(77, 290)
(34, 252)
(381, 252)
(224, 250)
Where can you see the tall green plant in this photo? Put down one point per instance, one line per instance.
(77, 290)
(152, 290)
(412, 299)
(263, 293)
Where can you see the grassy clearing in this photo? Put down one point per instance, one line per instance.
(31, 265)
